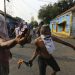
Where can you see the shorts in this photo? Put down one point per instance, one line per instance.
(43, 62)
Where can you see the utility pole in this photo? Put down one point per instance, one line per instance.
(5, 9)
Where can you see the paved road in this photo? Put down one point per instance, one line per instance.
(64, 55)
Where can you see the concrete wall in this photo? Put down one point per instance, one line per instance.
(73, 25)
(60, 19)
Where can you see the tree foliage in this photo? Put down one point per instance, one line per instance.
(48, 12)
(34, 23)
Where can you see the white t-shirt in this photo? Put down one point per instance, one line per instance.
(48, 44)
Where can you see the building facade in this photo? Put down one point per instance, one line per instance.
(65, 23)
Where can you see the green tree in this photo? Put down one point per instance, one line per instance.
(34, 23)
(67, 4)
(46, 13)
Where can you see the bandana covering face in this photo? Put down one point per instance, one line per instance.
(3, 28)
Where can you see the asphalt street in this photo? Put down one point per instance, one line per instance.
(65, 56)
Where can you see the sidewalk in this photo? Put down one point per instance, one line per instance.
(62, 35)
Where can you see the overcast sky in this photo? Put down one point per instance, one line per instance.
(25, 8)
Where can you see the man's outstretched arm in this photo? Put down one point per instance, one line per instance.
(11, 43)
(62, 42)
(35, 54)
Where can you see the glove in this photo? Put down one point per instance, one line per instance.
(28, 63)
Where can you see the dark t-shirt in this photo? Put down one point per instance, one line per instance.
(4, 55)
